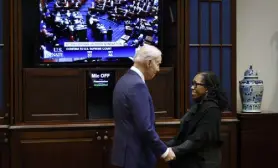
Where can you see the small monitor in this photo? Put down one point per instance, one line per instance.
(100, 86)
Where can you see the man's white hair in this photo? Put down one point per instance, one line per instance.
(146, 53)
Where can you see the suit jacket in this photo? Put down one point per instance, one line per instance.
(136, 143)
(198, 143)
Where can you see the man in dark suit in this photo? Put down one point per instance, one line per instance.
(136, 143)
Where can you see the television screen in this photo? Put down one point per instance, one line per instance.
(96, 30)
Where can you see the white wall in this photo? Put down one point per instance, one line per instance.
(257, 35)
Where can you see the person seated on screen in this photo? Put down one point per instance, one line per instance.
(155, 3)
(135, 43)
(56, 5)
(103, 5)
(125, 13)
(112, 4)
(139, 10)
(115, 10)
(41, 7)
(71, 2)
(117, 2)
(154, 22)
(149, 7)
(133, 3)
(137, 3)
(93, 5)
(45, 32)
(42, 23)
(66, 5)
(109, 34)
(48, 13)
(77, 5)
(58, 17)
(154, 10)
(198, 144)
(68, 13)
(92, 22)
(140, 37)
(142, 27)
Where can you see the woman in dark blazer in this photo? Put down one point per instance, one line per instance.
(198, 144)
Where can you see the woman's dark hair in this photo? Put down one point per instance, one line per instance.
(215, 91)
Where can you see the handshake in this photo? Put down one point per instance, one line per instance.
(171, 155)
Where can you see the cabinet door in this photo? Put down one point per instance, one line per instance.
(108, 142)
(53, 94)
(56, 149)
(4, 150)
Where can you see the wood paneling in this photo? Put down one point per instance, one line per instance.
(162, 92)
(54, 95)
(182, 69)
(4, 64)
(258, 140)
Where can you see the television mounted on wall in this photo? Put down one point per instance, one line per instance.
(90, 32)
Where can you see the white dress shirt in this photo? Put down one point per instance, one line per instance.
(133, 68)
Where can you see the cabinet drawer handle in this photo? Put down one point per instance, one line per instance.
(98, 138)
(105, 137)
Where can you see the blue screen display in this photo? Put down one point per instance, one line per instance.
(96, 30)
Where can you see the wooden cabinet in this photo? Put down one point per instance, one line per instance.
(228, 136)
(4, 147)
(258, 139)
(59, 94)
(68, 148)
(89, 145)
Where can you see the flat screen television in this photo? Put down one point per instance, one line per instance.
(95, 31)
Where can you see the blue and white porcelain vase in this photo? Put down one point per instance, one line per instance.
(251, 91)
